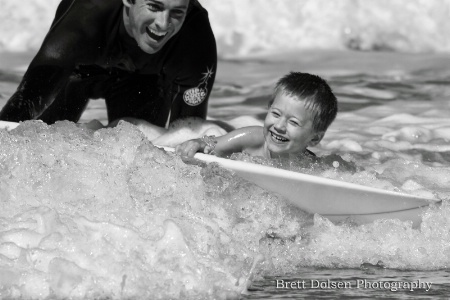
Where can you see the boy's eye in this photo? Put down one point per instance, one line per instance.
(275, 114)
(295, 123)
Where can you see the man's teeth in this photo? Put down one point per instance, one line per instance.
(158, 33)
(279, 138)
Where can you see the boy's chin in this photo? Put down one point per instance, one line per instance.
(276, 148)
(276, 151)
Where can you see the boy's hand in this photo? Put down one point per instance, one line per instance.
(189, 148)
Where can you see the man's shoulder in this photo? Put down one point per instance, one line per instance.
(197, 15)
(197, 7)
(99, 4)
(81, 30)
(91, 11)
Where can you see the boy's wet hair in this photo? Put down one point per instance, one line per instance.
(317, 94)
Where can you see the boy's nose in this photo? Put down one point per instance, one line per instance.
(280, 125)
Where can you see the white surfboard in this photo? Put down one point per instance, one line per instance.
(333, 199)
(8, 125)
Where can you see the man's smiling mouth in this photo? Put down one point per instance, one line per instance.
(157, 36)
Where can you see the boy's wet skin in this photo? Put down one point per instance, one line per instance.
(302, 109)
(288, 127)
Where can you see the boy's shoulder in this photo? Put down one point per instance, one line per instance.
(250, 132)
(252, 137)
(309, 152)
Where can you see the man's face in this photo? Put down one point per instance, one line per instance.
(153, 22)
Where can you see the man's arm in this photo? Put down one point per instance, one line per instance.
(38, 87)
(48, 72)
(194, 64)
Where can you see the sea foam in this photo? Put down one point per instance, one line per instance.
(106, 214)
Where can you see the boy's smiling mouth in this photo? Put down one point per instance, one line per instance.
(277, 137)
(155, 35)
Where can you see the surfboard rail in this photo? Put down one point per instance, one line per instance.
(333, 199)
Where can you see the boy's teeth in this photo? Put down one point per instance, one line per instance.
(279, 138)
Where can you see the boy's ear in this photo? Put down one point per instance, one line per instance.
(317, 137)
(127, 3)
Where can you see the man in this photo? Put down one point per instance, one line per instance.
(149, 59)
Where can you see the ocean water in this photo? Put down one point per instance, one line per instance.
(106, 215)
(246, 27)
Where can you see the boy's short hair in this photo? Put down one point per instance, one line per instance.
(317, 94)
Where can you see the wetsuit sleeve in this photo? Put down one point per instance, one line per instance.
(191, 74)
(49, 71)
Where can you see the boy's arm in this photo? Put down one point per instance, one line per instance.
(235, 141)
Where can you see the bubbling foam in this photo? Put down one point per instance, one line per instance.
(106, 214)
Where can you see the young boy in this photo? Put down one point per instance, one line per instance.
(302, 109)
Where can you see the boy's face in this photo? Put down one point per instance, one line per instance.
(288, 127)
(153, 22)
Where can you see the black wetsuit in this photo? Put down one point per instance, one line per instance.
(87, 54)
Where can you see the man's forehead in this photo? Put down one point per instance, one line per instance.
(171, 3)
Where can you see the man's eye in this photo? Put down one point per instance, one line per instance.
(154, 7)
(177, 14)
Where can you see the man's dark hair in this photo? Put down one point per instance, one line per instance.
(191, 3)
(317, 94)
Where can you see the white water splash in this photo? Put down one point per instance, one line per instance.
(247, 27)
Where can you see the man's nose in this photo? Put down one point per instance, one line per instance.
(163, 20)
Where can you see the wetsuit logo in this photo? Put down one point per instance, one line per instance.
(197, 95)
